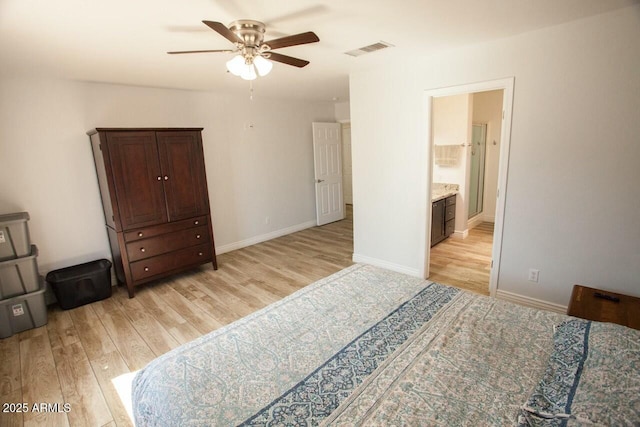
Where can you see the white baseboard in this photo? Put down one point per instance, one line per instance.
(475, 221)
(531, 302)
(489, 218)
(264, 237)
(385, 264)
(460, 234)
(480, 218)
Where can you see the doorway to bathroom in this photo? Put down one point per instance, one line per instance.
(469, 135)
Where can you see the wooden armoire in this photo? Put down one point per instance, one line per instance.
(156, 206)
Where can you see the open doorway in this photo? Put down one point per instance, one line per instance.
(466, 137)
(474, 169)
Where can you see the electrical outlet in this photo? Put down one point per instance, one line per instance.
(534, 275)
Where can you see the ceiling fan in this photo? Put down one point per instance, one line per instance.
(253, 52)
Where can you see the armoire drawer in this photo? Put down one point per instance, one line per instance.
(147, 248)
(170, 261)
(156, 230)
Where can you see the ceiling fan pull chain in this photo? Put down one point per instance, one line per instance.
(250, 90)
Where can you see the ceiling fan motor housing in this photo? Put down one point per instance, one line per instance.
(250, 31)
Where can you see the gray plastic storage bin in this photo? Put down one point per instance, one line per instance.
(14, 236)
(23, 312)
(19, 276)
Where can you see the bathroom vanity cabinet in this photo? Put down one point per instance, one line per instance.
(443, 218)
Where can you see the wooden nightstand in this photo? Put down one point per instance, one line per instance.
(604, 306)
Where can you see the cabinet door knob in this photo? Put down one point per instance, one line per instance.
(142, 250)
(140, 234)
(166, 178)
(199, 253)
(146, 269)
(197, 236)
(159, 178)
(196, 222)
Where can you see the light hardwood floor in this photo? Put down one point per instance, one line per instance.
(464, 263)
(76, 355)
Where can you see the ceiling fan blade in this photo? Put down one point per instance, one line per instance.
(289, 60)
(200, 51)
(302, 38)
(223, 31)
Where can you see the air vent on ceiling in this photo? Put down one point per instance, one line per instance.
(368, 49)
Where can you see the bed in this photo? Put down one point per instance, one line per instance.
(367, 346)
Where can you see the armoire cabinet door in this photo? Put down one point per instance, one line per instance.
(183, 174)
(137, 178)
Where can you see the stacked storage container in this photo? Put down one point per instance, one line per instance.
(22, 304)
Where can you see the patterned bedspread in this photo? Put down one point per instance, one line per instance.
(592, 378)
(367, 346)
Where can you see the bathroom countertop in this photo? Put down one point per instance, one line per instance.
(435, 196)
(440, 191)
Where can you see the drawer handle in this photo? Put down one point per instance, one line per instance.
(140, 234)
(146, 269)
(142, 250)
(197, 236)
(199, 253)
(196, 222)
(607, 297)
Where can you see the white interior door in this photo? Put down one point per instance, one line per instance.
(327, 154)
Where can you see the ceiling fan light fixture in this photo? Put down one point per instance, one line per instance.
(263, 65)
(249, 72)
(236, 65)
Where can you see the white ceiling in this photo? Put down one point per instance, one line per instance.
(125, 41)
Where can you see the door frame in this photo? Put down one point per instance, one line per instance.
(507, 85)
(343, 125)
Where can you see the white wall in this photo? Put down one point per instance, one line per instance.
(487, 109)
(573, 193)
(450, 121)
(342, 112)
(258, 156)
